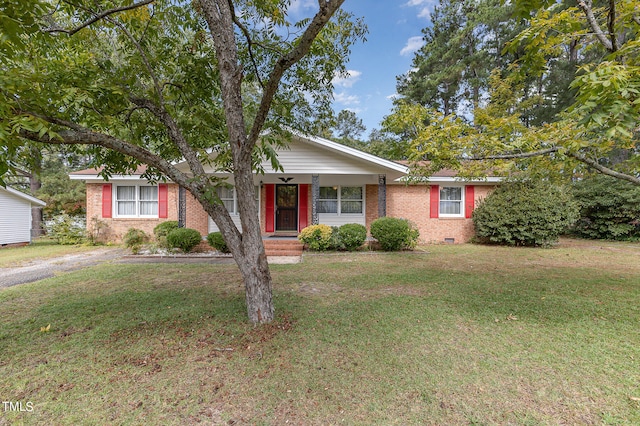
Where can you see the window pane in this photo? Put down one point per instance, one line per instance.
(126, 193)
(328, 192)
(126, 208)
(351, 192)
(228, 204)
(148, 208)
(327, 206)
(351, 207)
(225, 192)
(451, 194)
(149, 193)
(450, 207)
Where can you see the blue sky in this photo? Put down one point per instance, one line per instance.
(395, 33)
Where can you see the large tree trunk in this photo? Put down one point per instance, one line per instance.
(35, 184)
(257, 281)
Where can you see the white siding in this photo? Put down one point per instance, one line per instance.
(236, 220)
(333, 219)
(15, 219)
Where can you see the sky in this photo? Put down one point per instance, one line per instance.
(395, 34)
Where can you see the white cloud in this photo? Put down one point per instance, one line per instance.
(347, 81)
(346, 99)
(297, 6)
(413, 44)
(393, 97)
(425, 6)
(425, 13)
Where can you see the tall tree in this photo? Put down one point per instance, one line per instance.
(600, 121)
(462, 46)
(348, 125)
(155, 81)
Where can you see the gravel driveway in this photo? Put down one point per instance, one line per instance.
(41, 269)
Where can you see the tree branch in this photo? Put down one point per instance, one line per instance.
(175, 134)
(604, 170)
(514, 156)
(611, 23)
(249, 42)
(326, 10)
(98, 17)
(576, 155)
(585, 5)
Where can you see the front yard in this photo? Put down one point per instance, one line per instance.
(458, 335)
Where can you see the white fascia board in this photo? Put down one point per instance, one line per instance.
(490, 179)
(22, 195)
(98, 178)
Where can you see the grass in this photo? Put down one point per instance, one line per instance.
(42, 248)
(459, 335)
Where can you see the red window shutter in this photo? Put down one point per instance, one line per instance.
(303, 206)
(469, 200)
(434, 201)
(163, 201)
(270, 206)
(106, 200)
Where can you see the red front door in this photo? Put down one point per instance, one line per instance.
(286, 207)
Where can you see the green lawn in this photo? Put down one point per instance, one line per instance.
(42, 248)
(459, 335)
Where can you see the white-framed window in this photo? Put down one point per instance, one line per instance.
(341, 200)
(136, 201)
(227, 195)
(229, 198)
(451, 201)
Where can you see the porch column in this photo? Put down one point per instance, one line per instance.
(182, 207)
(382, 195)
(315, 196)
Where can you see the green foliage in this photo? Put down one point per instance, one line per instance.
(66, 229)
(609, 208)
(316, 237)
(394, 233)
(524, 214)
(352, 236)
(216, 240)
(185, 239)
(96, 231)
(162, 230)
(134, 239)
(61, 194)
(564, 89)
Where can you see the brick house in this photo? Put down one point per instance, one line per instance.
(321, 182)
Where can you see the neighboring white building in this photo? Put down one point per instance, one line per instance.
(15, 216)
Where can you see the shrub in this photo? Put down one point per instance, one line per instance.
(66, 229)
(524, 214)
(394, 233)
(216, 241)
(134, 239)
(352, 235)
(186, 239)
(162, 230)
(316, 237)
(609, 208)
(334, 241)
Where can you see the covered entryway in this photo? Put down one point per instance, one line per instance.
(286, 207)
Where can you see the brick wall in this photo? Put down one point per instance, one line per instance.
(115, 228)
(197, 218)
(412, 202)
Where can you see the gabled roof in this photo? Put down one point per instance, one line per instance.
(347, 150)
(32, 200)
